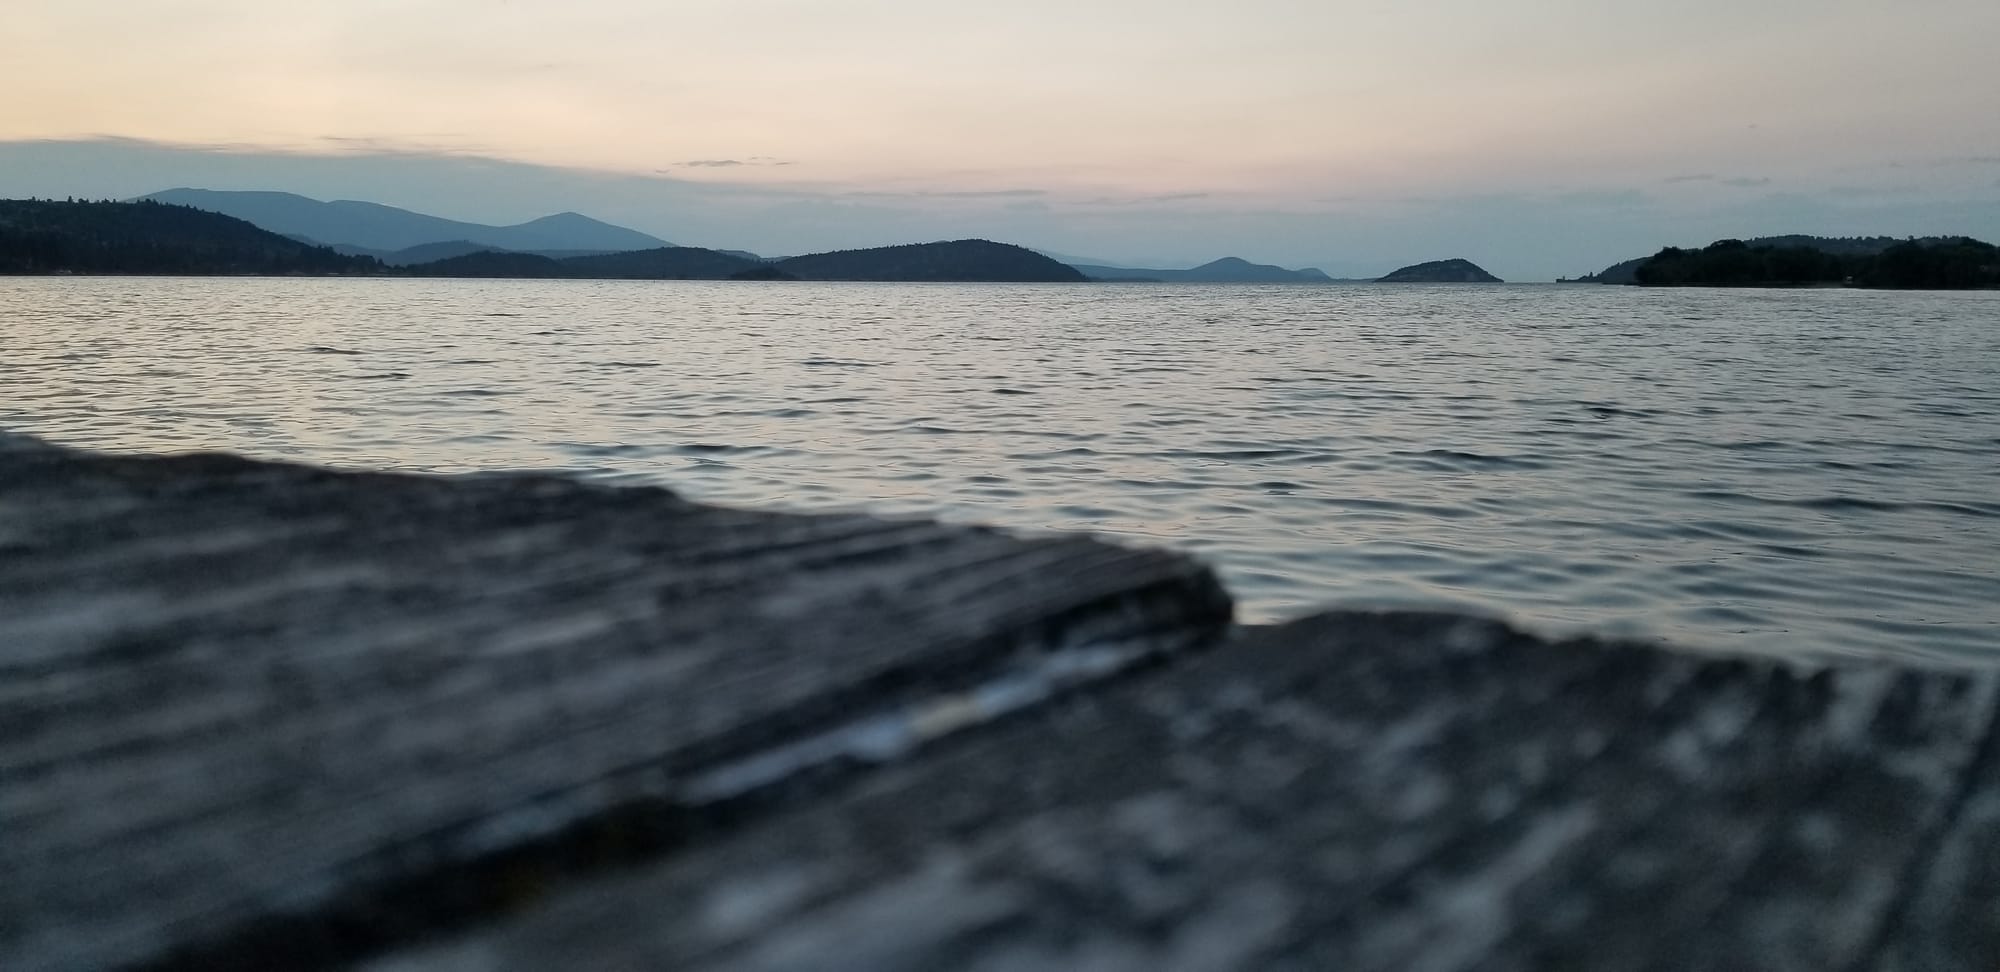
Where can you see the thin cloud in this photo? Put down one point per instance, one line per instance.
(1602, 197)
(947, 194)
(1734, 182)
(1173, 197)
(1943, 162)
(440, 143)
(730, 163)
(1869, 192)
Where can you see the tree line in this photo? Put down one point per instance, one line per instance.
(49, 236)
(1956, 263)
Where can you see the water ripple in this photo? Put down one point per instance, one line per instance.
(1794, 471)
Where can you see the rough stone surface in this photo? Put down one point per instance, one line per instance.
(269, 716)
(1365, 792)
(256, 713)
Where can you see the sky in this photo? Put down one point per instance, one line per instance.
(1536, 138)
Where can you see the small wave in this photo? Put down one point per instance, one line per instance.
(1849, 503)
(1159, 484)
(1081, 512)
(781, 412)
(323, 349)
(1393, 507)
(1060, 453)
(1234, 454)
(1791, 551)
(1453, 458)
(600, 450)
(1843, 503)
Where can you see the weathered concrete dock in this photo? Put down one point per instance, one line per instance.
(271, 716)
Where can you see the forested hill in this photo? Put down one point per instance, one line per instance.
(971, 261)
(660, 263)
(45, 236)
(1440, 271)
(667, 263)
(964, 261)
(1938, 264)
(492, 263)
(1844, 247)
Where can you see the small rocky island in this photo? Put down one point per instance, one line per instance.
(1441, 271)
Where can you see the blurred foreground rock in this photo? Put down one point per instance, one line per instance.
(271, 716)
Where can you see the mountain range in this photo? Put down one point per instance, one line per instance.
(153, 237)
(372, 229)
(403, 238)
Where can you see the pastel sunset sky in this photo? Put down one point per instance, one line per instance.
(1537, 138)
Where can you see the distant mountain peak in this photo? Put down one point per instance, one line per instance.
(565, 216)
(1225, 270)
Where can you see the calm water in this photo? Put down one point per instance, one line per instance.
(1798, 471)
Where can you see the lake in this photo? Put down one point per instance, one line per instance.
(1803, 471)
